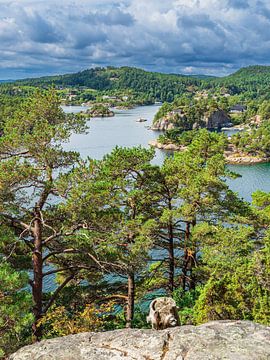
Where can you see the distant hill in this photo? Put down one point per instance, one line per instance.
(254, 81)
(156, 85)
(6, 81)
(251, 71)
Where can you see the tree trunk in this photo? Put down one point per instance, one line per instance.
(185, 256)
(37, 290)
(171, 259)
(130, 303)
(193, 279)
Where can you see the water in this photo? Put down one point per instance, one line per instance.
(122, 130)
(74, 109)
(253, 177)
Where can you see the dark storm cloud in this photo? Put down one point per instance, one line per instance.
(39, 29)
(195, 36)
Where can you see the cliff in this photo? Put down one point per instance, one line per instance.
(214, 120)
(230, 340)
(217, 120)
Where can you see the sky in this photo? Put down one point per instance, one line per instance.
(214, 37)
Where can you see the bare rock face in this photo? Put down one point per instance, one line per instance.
(217, 340)
(217, 120)
(164, 124)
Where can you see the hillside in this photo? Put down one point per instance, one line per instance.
(254, 81)
(160, 86)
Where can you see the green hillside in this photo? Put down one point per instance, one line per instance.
(161, 87)
(254, 81)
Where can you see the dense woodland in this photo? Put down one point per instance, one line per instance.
(112, 234)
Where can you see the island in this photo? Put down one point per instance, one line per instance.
(99, 110)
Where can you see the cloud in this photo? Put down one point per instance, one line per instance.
(114, 16)
(238, 4)
(199, 36)
(38, 29)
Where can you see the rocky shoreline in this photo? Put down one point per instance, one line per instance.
(231, 157)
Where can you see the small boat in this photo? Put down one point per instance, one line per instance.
(141, 120)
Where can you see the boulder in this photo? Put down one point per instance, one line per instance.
(217, 340)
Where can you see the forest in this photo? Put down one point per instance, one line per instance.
(114, 233)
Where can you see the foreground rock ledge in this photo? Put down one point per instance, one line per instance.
(230, 340)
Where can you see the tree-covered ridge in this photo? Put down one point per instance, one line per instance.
(252, 82)
(157, 85)
(148, 87)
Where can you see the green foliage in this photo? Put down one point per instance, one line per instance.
(59, 321)
(185, 301)
(252, 81)
(264, 110)
(15, 309)
(32, 159)
(237, 274)
(187, 113)
(255, 142)
(156, 86)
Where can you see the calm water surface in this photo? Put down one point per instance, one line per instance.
(122, 130)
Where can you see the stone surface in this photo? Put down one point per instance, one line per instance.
(215, 120)
(217, 340)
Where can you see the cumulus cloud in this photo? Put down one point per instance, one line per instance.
(195, 36)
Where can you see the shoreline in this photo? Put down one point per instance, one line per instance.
(231, 159)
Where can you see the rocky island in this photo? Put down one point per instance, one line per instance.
(99, 110)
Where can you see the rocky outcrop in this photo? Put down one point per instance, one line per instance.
(245, 159)
(99, 111)
(235, 157)
(230, 340)
(169, 146)
(215, 120)
(232, 156)
(164, 124)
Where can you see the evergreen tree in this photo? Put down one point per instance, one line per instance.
(31, 160)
